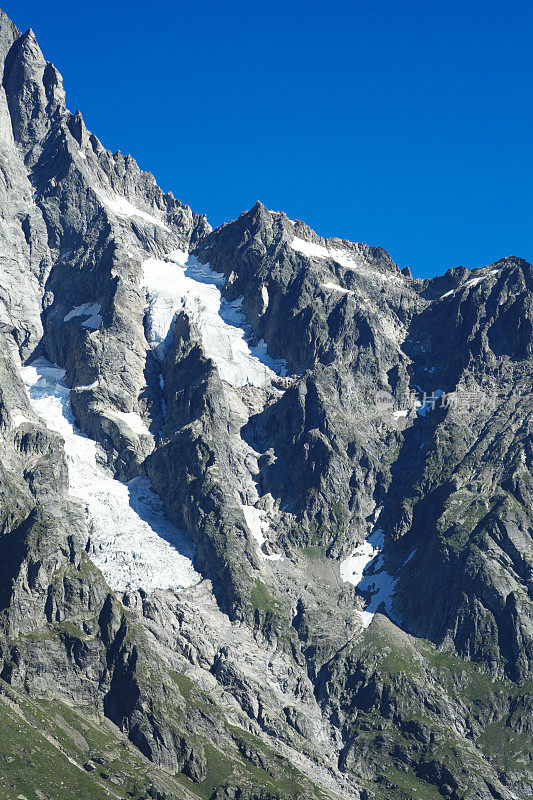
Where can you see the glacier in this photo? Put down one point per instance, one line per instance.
(131, 541)
(182, 283)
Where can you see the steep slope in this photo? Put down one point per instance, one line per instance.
(265, 518)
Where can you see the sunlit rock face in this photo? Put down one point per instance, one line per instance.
(265, 500)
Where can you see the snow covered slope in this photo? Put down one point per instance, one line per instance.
(131, 541)
(365, 570)
(182, 283)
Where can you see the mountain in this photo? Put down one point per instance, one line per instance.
(265, 499)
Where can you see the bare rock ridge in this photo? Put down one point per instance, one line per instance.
(265, 499)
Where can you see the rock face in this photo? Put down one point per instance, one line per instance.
(347, 452)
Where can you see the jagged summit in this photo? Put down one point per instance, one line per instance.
(265, 499)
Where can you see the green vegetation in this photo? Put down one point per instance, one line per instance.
(219, 769)
(314, 551)
(262, 600)
(406, 669)
(33, 767)
(280, 779)
(413, 787)
(186, 686)
(395, 657)
(45, 746)
(460, 676)
(506, 748)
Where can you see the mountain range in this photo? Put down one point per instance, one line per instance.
(266, 500)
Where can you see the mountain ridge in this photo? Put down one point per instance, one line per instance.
(346, 450)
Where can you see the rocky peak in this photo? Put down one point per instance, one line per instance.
(9, 33)
(265, 499)
(34, 91)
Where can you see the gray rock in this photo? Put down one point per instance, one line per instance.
(260, 681)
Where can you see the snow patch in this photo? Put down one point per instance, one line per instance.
(123, 208)
(342, 257)
(472, 282)
(184, 284)
(335, 288)
(89, 310)
(265, 298)
(19, 419)
(365, 570)
(131, 540)
(133, 420)
(352, 568)
(258, 525)
(345, 258)
(87, 387)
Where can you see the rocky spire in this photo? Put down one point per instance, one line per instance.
(9, 33)
(34, 90)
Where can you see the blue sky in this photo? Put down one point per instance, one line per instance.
(404, 124)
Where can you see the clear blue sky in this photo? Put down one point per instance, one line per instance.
(399, 123)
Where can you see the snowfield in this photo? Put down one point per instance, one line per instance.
(334, 287)
(131, 540)
(468, 284)
(364, 569)
(345, 258)
(182, 283)
(342, 257)
(133, 420)
(257, 522)
(118, 205)
(89, 310)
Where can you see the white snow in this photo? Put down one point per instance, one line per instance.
(18, 419)
(82, 155)
(309, 248)
(401, 413)
(89, 310)
(88, 386)
(342, 257)
(264, 297)
(364, 569)
(184, 284)
(123, 208)
(335, 288)
(131, 541)
(472, 282)
(133, 420)
(345, 258)
(352, 568)
(258, 526)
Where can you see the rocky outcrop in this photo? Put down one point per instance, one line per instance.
(270, 677)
